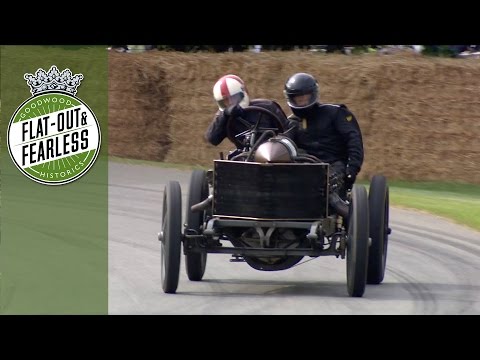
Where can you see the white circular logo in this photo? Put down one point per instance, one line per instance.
(54, 138)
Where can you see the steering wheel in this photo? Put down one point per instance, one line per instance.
(236, 136)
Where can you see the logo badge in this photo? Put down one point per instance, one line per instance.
(304, 123)
(54, 137)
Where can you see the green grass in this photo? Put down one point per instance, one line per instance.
(455, 201)
(54, 239)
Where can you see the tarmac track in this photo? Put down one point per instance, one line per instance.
(432, 265)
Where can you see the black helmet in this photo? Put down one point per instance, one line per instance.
(301, 84)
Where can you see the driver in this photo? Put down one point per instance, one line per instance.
(232, 98)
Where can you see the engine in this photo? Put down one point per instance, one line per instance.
(279, 149)
(279, 238)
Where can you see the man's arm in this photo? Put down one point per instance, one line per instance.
(217, 130)
(293, 124)
(347, 125)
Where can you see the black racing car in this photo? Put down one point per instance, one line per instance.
(268, 205)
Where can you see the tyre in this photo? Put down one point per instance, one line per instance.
(171, 236)
(195, 263)
(357, 242)
(379, 208)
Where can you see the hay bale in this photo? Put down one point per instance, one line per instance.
(419, 115)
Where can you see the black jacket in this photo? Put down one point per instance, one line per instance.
(331, 133)
(217, 130)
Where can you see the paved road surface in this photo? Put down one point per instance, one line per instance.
(433, 265)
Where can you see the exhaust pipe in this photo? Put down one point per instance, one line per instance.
(202, 205)
(340, 206)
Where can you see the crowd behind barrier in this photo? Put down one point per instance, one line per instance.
(456, 51)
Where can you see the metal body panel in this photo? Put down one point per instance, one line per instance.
(291, 191)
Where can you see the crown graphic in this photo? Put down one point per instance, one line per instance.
(53, 80)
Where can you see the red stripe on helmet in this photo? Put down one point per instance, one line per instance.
(238, 79)
(224, 88)
(235, 77)
(223, 85)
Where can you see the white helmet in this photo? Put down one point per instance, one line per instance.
(230, 90)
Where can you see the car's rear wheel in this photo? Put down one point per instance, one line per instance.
(196, 263)
(171, 236)
(378, 198)
(357, 242)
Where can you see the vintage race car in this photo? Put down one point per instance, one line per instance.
(270, 206)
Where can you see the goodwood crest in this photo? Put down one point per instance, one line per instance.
(54, 137)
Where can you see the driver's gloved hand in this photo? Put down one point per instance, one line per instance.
(234, 111)
(350, 177)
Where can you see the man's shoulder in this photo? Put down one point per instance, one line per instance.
(334, 108)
